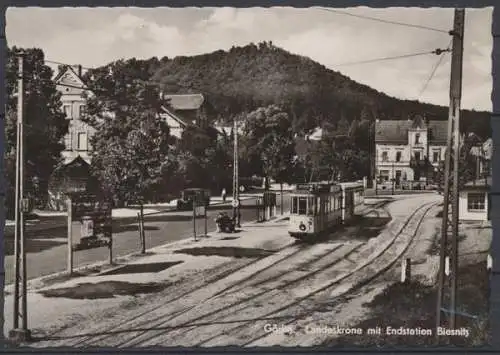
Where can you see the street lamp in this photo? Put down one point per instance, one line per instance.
(236, 187)
(393, 179)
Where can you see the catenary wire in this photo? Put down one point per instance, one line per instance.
(391, 58)
(384, 21)
(433, 72)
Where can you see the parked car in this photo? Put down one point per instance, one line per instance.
(185, 202)
(249, 183)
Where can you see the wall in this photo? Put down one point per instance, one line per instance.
(406, 152)
(72, 97)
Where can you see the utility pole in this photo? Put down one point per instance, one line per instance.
(236, 190)
(451, 192)
(20, 334)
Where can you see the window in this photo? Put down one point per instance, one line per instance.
(417, 156)
(302, 205)
(68, 141)
(82, 141)
(384, 175)
(435, 156)
(398, 156)
(294, 205)
(385, 156)
(417, 138)
(476, 201)
(312, 208)
(67, 110)
(81, 111)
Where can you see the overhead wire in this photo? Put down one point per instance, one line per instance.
(434, 69)
(387, 58)
(421, 27)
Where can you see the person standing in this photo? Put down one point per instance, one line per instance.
(223, 194)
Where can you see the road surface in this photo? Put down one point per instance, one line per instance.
(47, 250)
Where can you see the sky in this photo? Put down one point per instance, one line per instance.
(96, 36)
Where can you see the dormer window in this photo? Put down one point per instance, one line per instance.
(417, 138)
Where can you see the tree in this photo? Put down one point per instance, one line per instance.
(131, 154)
(467, 166)
(44, 123)
(269, 136)
(205, 155)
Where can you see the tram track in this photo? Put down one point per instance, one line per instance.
(302, 266)
(352, 287)
(303, 248)
(234, 308)
(137, 321)
(110, 331)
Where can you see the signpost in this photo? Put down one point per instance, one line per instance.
(199, 210)
(94, 214)
(142, 234)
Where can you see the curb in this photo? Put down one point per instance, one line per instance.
(39, 282)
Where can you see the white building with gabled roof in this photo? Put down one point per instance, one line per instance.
(70, 84)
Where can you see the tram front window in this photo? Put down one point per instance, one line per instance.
(294, 205)
(302, 205)
(311, 210)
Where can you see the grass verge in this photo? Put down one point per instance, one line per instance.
(413, 305)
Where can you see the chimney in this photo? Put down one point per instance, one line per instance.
(79, 70)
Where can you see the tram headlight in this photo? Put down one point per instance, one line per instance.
(302, 226)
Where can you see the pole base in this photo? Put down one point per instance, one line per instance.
(20, 335)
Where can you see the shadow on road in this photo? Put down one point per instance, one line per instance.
(234, 252)
(32, 246)
(105, 289)
(133, 228)
(141, 268)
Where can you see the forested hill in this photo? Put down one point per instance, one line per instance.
(245, 78)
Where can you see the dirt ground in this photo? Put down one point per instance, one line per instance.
(413, 304)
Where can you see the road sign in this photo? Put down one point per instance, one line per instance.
(236, 203)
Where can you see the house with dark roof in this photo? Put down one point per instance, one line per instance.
(473, 200)
(183, 110)
(409, 150)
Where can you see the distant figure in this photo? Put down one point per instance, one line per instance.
(223, 194)
(218, 221)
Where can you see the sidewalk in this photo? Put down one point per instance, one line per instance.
(58, 301)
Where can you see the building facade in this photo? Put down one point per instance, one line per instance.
(410, 150)
(77, 141)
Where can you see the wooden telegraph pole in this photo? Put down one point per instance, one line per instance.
(450, 222)
(20, 333)
(236, 187)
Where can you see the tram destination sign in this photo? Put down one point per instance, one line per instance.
(315, 187)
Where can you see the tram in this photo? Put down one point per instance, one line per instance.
(315, 208)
